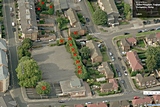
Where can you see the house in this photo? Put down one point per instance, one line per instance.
(156, 99)
(146, 81)
(125, 45)
(3, 45)
(141, 102)
(96, 55)
(158, 37)
(106, 70)
(151, 39)
(4, 73)
(60, 5)
(76, 26)
(123, 103)
(132, 41)
(74, 87)
(112, 12)
(27, 19)
(78, 105)
(97, 105)
(134, 61)
(111, 86)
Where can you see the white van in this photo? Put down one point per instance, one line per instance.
(11, 9)
(13, 24)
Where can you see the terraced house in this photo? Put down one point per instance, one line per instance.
(27, 19)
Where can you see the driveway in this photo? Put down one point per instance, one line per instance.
(55, 62)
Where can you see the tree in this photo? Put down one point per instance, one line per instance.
(43, 88)
(23, 52)
(126, 9)
(28, 42)
(100, 17)
(28, 73)
(75, 35)
(128, 16)
(42, 4)
(24, 59)
(85, 52)
(51, 9)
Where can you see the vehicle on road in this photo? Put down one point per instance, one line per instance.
(113, 59)
(140, 31)
(13, 24)
(122, 81)
(126, 33)
(87, 20)
(105, 101)
(119, 58)
(14, 29)
(88, 103)
(11, 9)
(123, 67)
(136, 97)
(61, 101)
(125, 73)
(158, 28)
(110, 53)
(152, 29)
(119, 74)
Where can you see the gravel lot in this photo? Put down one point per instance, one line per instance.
(55, 63)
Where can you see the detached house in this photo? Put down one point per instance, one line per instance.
(146, 81)
(27, 19)
(96, 55)
(112, 12)
(76, 26)
(4, 73)
(134, 61)
(106, 70)
(127, 43)
(153, 39)
(141, 102)
(123, 103)
(111, 86)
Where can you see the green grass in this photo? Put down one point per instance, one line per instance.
(124, 23)
(105, 56)
(119, 43)
(141, 43)
(90, 7)
(138, 50)
(121, 37)
(147, 33)
(114, 71)
(142, 56)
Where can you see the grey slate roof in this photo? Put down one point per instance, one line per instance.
(27, 16)
(72, 15)
(107, 86)
(122, 103)
(3, 58)
(145, 79)
(3, 72)
(110, 6)
(60, 4)
(125, 42)
(3, 44)
(95, 51)
(107, 69)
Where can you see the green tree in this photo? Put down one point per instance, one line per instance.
(62, 22)
(85, 52)
(23, 52)
(127, 9)
(24, 59)
(43, 88)
(27, 42)
(75, 36)
(100, 17)
(51, 9)
(128, 16)
(28, 73)
(42, 4)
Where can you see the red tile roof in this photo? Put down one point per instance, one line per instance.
(114, 82)
(158, 35)
(142, 101)
(97, 105)
(131, 40)
(156, 97)
(134, 60)
(78, 105)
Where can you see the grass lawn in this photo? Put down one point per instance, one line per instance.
(138, 50)
(121, 37)
(105, 56)
(141, 43)
(147, 33)
(142, 56)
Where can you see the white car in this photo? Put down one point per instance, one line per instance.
(105, 101)
(88, 103)
(110, 53)
(125, 73)
(11, 9)
(13, 24)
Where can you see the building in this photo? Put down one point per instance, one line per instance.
(76, 26)
(60, 5)
(74, 87)
(4, 74)
(78, 105)
(96, 55)
(27, 19)
(134, 61)
(106, 70)
(123, 103)
(97, 105)
(141, 102)
(146, 81)
(112, 12)
(156, 99)
(111, 86)
(132, 41)
(127, 43)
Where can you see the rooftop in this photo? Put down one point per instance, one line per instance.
(72, 15)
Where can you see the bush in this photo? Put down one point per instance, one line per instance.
(134, 73)
(90, 7)
(89, 37)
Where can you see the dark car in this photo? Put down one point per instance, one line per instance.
(61, 101)
(87, 19)
(140, 31)
(148, 22)
(12, 14)
(122, 81)
(126, 33)
(14, 29)
(41, 28)
(152, 29)
(123, 68)
(144, 22)
(119, 74)
(119, 58)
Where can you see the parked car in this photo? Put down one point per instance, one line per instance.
(126, 33)
(122, 81)
(140, 31)
(145, 30)
(14, 29)
(158, 28)
(152, 29)
(88, 103)
(136, 97)
(87, 20)
(125, 73)
(61, 101)
(105, 101)
(12, 14)
(119, 58)
(148, 22)
(119, 74)
(13, 24)
(11, 9)
(113, 59)
(110, 53)
(123, 68)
